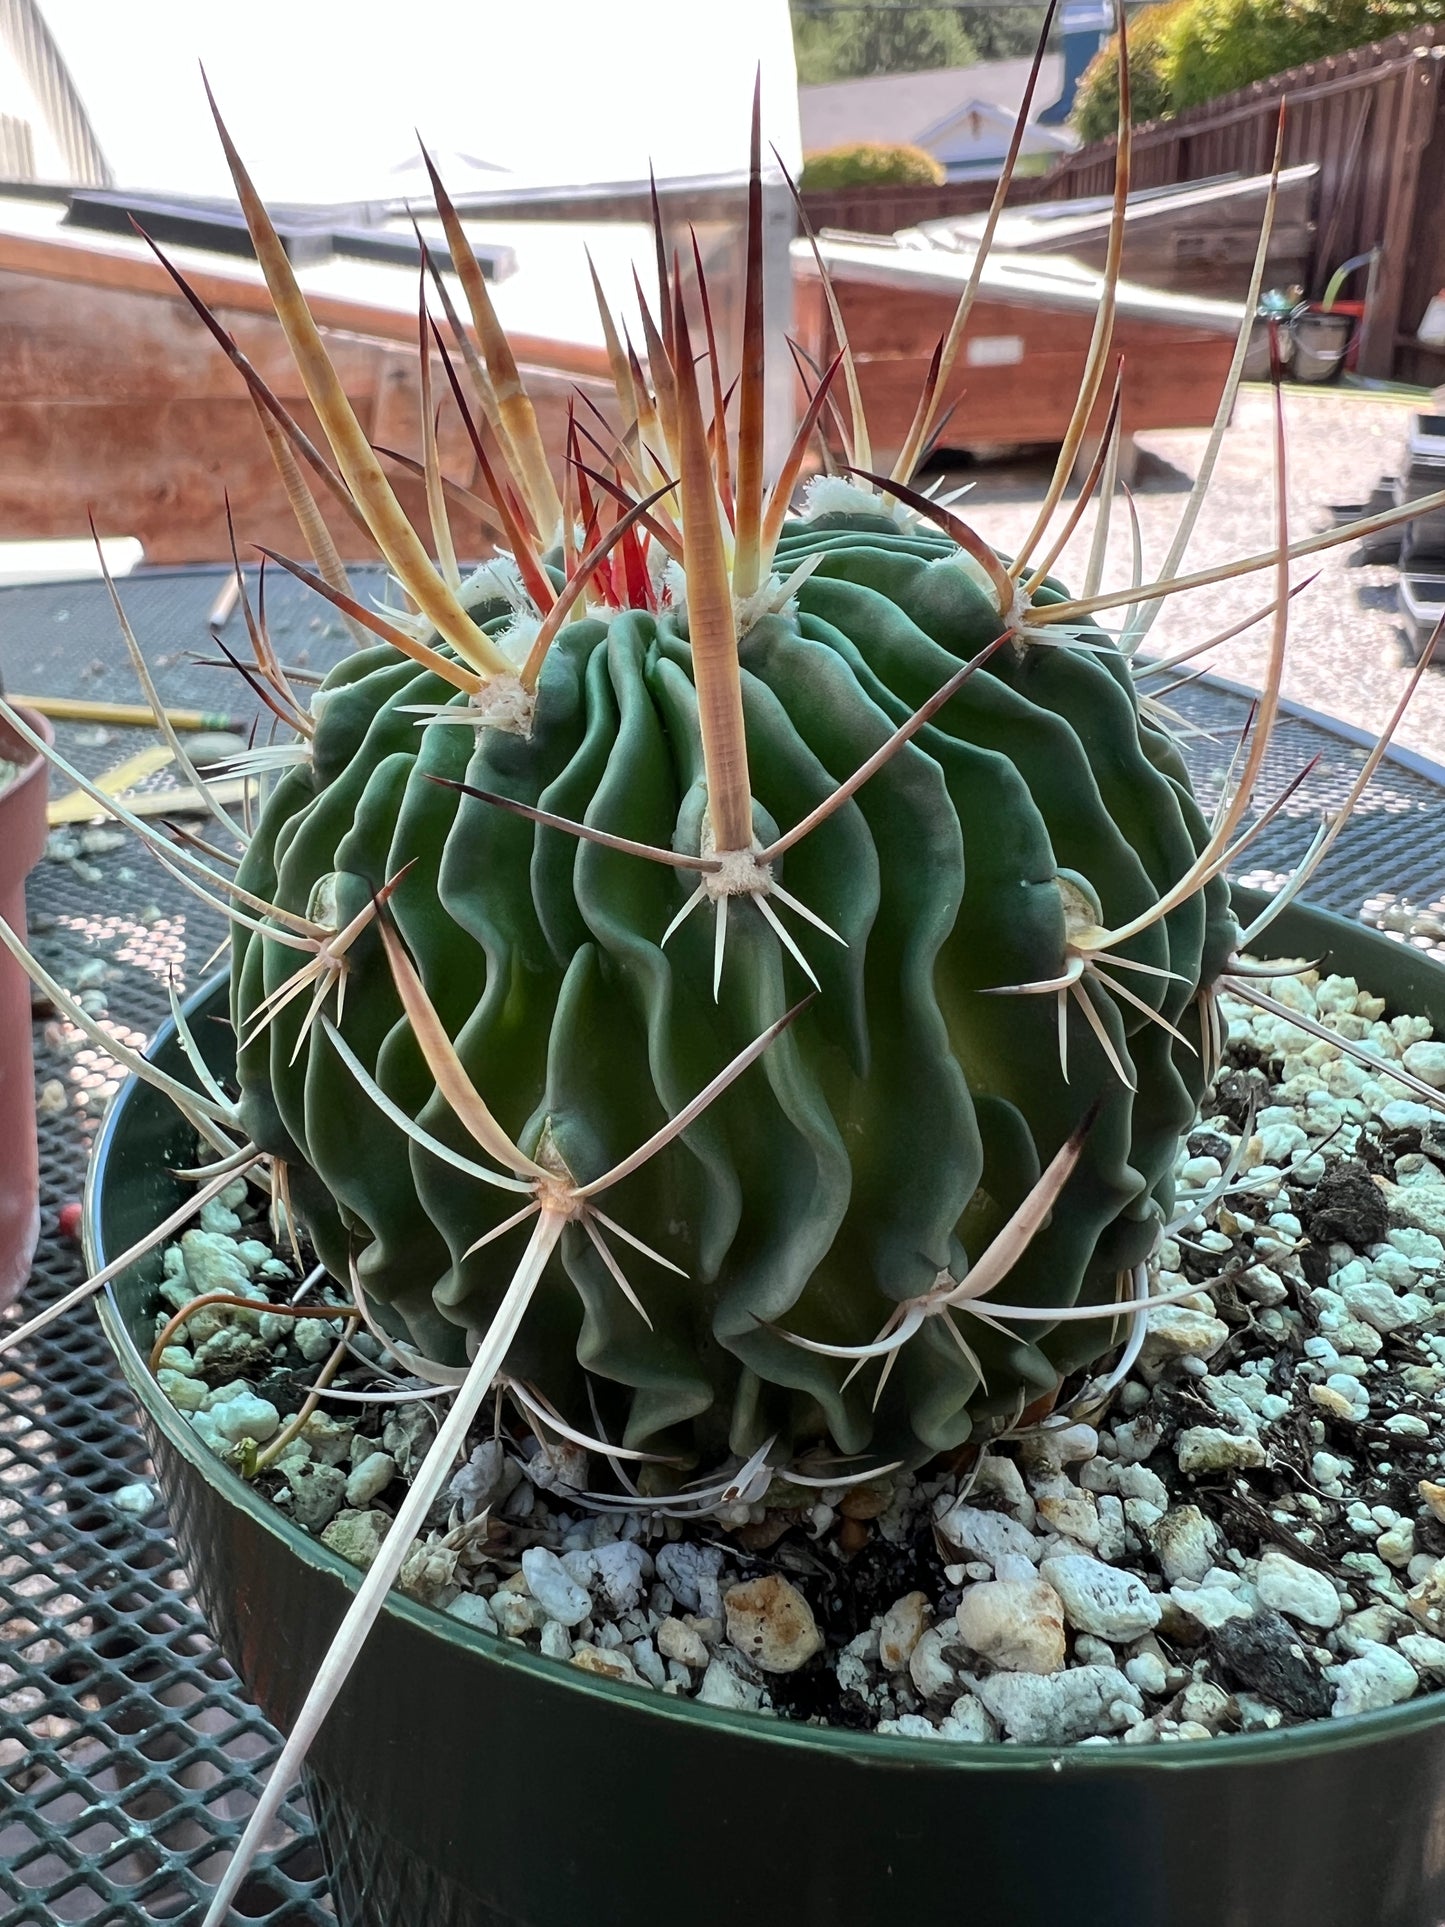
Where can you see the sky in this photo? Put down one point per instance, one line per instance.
(322, 96)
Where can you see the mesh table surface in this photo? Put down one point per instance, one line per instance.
(130, 1756)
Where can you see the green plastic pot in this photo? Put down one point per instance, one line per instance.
(460, 1779)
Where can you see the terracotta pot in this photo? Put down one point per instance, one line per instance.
(22, 843)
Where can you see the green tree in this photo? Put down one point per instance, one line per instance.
(889, 37)
(1004, 32)
(1225, 44)
(1153, 33)
(1187, 51)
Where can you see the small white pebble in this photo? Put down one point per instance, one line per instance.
(185, 1393)
(473, 1610)
(1297, 1591)
(1205, 1448)
(1148, 1672)
(1424, 1652)
(1378, 1676)
(1397, 1546)
(556, 1641)
(1406, 1425)
(244, 1416)
(137, 1499)
(316, 1339)
(370, 1478)
(554, 1588)
(681, 1643)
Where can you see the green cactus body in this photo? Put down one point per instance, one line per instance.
(883, 1139)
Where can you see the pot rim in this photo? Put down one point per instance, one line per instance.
(882, 1751)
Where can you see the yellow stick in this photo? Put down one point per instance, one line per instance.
(79, 709)
(80, 808)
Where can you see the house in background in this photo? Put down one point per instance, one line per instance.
(45, 132)
(1084, 26)
(963, 116)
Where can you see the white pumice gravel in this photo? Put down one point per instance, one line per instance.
(1247, 1534)
(723, 1684)
(903, 1625)
(1104, 1600)
(1296, 1591)
(771, 1622)
(137, 1499)
(1208, 1448)
(370, 1478)
(987, 1536)
(1053, 1710)
(1185, 1542)
(244, 1417)
(1378, 1676)
(554, 1588)
(1015, 1624)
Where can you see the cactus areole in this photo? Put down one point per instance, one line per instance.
(870, 1156)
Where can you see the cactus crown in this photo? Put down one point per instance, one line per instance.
(729, 977)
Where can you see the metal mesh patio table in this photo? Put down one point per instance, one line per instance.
(130, 1755)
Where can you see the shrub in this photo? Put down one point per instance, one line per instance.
(1224, 44)
(869, 164)
(1151, 51)
(1188, 51)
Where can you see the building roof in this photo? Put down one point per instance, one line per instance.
(906, 264)
(1054, 224)
(544, 300)
(979, 127)
(910, 107)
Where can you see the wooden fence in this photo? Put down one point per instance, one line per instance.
(1373, 120)
(884, 210)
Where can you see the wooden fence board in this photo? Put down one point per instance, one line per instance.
(1372, 119)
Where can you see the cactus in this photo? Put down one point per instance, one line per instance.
(730, 974)
(705, 682)
(906, 1114)
(820, 851)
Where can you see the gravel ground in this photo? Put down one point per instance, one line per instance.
(1345, 655)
